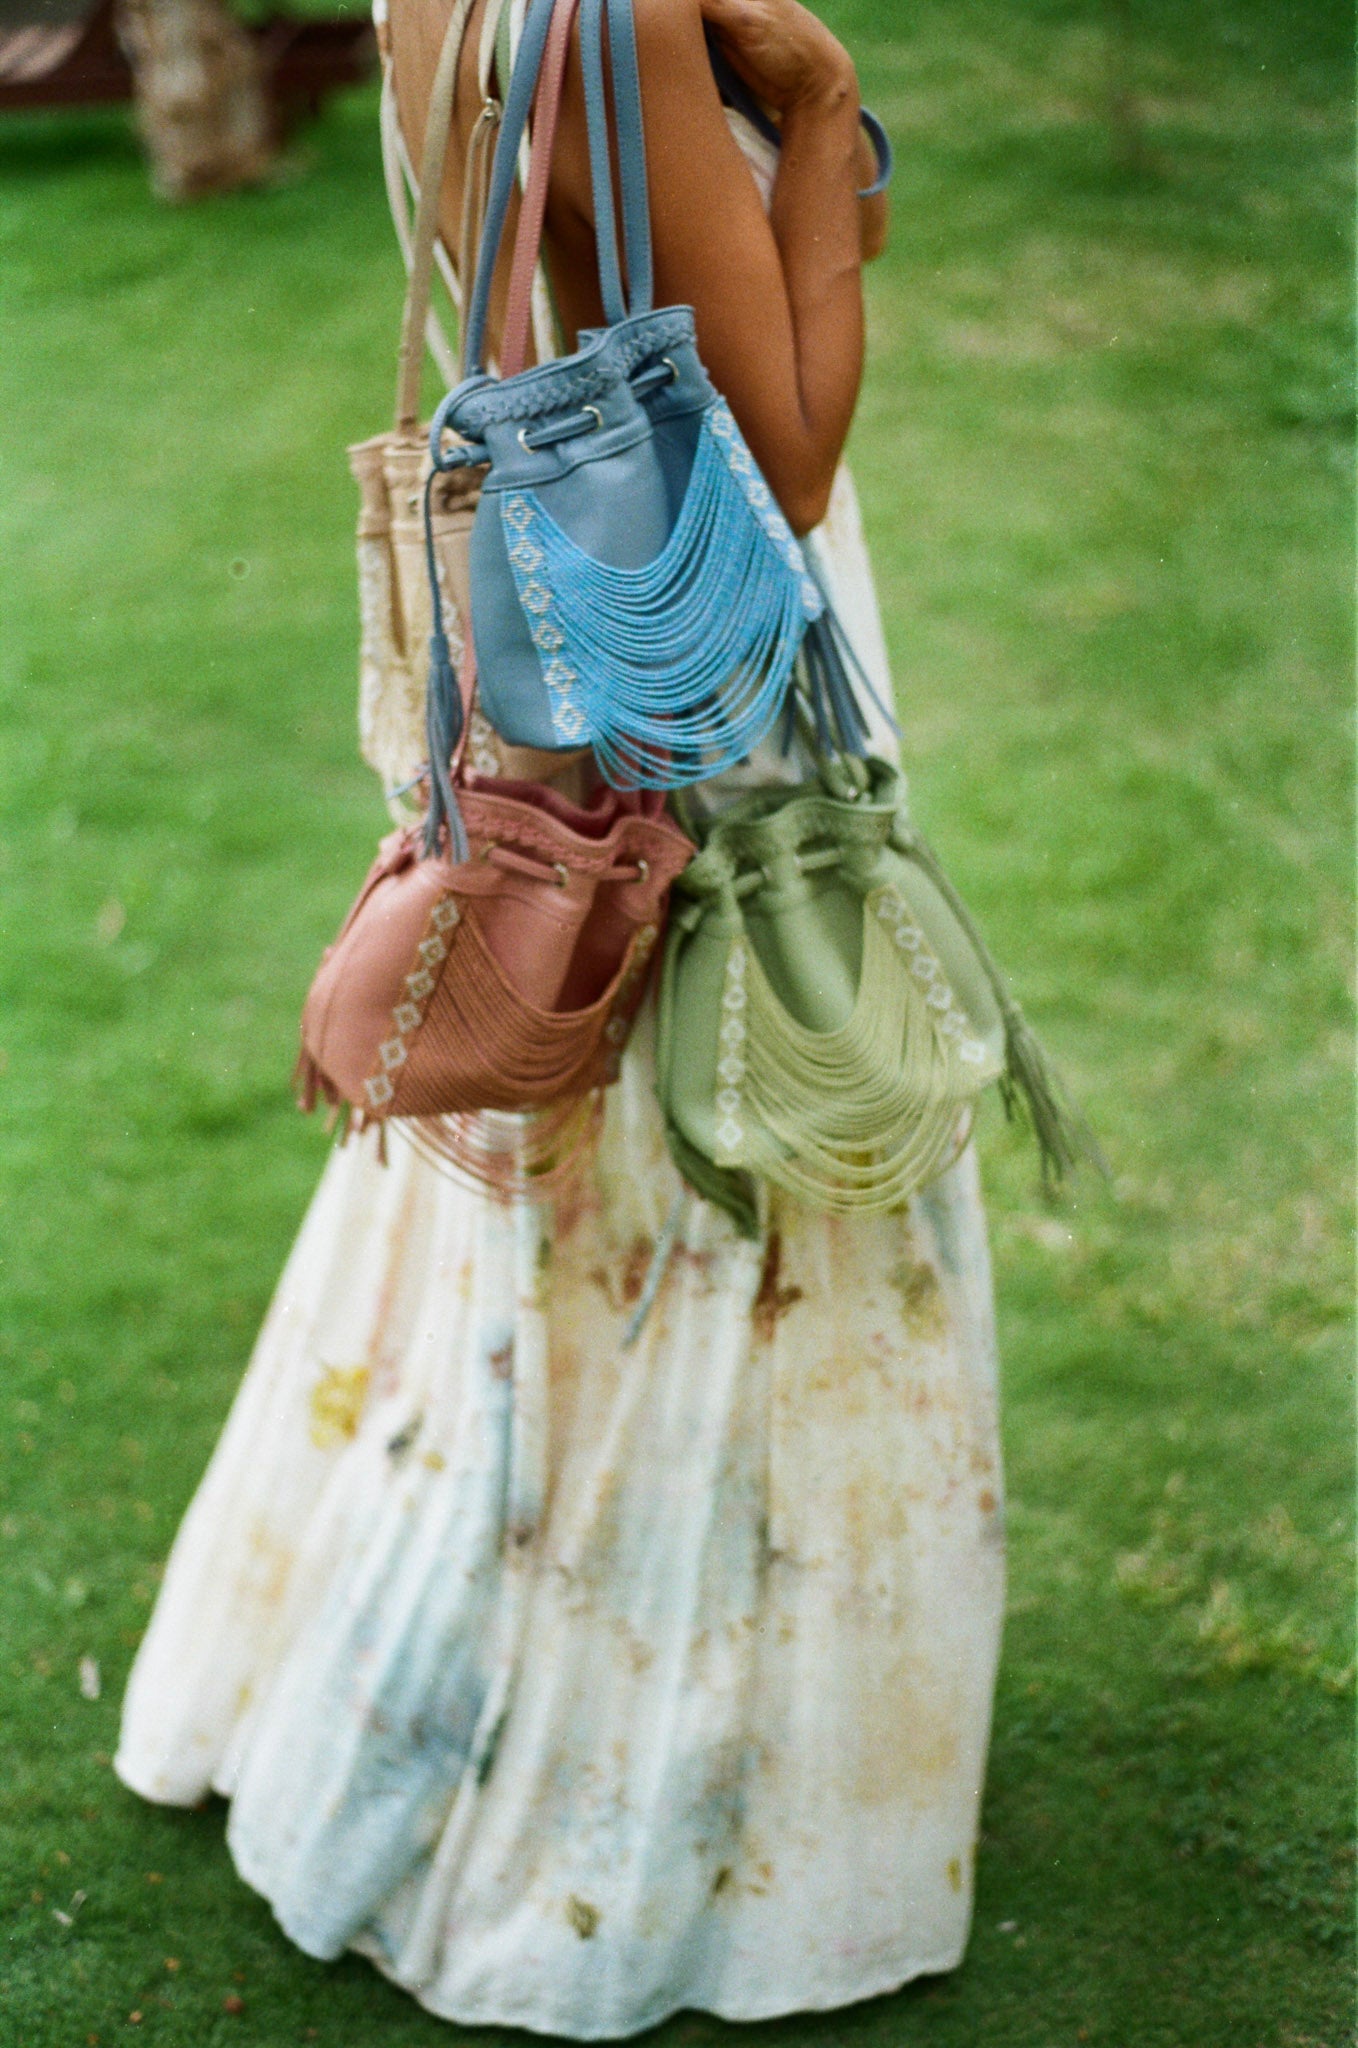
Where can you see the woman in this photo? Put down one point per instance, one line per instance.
(575, 1682)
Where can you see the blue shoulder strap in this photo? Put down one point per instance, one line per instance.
(636, 221)
(504, 172)
(636, 210)
(636, 200)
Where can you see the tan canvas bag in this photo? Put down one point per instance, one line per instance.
(391, 468)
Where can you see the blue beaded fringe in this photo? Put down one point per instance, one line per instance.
(673, 671)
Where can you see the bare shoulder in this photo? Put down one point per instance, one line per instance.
(672, 20)
(671, 48)
(686, 127)
(689, 148)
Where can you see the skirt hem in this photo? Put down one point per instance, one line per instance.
(739, 2011)
(485, 2013)
(143, 1785)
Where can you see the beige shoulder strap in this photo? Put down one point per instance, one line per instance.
(438, 129)
(399, 177)
(485, 54)
(421, 247)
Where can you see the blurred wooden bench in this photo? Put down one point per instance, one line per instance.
(80, 63)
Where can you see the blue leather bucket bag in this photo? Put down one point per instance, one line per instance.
(634, 586)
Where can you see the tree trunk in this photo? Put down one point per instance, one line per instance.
(204, 111)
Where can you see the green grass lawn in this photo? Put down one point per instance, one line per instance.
(1104, 454)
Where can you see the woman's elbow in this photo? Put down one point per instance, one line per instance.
(806, 503)
(800, 473)
(874, 226)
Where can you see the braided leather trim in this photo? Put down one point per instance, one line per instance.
(654, 839)
(566, 385)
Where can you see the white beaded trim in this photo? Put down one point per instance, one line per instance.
(409, 1015)
(743, 467)
(526, 557)
(730, 1134)
(953, 1022)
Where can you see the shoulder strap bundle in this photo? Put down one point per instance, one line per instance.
(635, 586)
(421, 246)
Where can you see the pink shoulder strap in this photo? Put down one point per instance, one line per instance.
(532, 212)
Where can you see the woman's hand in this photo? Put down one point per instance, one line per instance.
(791, 61)
(781, 50)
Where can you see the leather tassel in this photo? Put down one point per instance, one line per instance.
(443, 710)
(839, 721)
(1064, 1139)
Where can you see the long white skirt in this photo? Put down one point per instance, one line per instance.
(573, 1683)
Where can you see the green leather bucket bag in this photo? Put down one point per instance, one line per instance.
(828, 1011)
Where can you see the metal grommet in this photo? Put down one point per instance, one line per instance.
(672, 367)
(598, 416)
(562, 873)
(525, 443)
(643, 873)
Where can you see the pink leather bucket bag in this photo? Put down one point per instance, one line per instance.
(507, 981)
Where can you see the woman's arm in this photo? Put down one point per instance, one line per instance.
(777, 296)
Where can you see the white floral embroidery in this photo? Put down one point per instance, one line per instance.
(954, 1024)
(526, 555)
(743, 467)
(408, 1016)
(730, 1132)
(525, 559)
